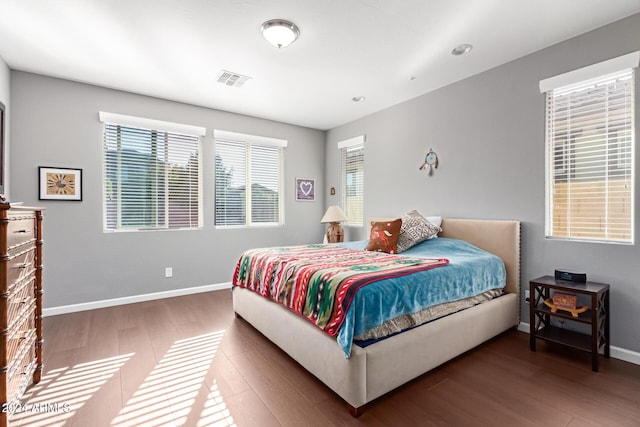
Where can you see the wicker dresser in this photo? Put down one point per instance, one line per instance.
(20, 303)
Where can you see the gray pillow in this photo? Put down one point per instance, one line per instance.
(415, 229)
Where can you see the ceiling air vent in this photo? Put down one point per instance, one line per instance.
(230, 78)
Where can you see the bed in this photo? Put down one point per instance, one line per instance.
(372, 371)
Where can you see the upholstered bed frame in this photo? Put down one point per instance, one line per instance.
(379, 368)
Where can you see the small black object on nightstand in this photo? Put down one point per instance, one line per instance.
(571, 277)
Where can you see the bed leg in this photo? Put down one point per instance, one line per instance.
(355, 412)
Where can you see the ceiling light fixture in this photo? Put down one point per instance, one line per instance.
(461, 49)
(279, 32)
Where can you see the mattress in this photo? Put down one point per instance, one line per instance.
(407, 321)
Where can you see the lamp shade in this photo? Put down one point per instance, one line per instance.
(279, 32)
(333, 214)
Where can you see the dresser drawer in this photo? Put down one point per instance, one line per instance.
(20, 230)
(20, 335)
(20, 300)
(20, 374)
(20, 266)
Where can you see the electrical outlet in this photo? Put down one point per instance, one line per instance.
(168, 272)
(526, 296)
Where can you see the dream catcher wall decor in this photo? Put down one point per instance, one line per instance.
(430, 160)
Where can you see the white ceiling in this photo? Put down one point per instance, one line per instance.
(174, 49)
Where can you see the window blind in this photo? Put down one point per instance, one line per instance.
(151, 179)
(353, 181)
(590, 144)
(242, 165)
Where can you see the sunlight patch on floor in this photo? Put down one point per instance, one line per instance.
(63, 391)
(168, 394)
(215, 412)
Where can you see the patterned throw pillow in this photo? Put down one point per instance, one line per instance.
(415, 229)
(384, 236)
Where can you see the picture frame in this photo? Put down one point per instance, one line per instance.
(305, 189)
(60, 183)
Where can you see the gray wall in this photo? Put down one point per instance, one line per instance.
(488, 131)
(55, 123)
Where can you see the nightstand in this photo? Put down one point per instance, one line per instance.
(596, 316)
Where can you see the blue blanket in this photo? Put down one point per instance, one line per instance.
(471, 271)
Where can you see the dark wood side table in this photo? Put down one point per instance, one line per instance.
(597, 316)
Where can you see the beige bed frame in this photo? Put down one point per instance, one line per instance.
(379, 368)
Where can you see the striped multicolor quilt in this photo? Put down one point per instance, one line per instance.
(320, 281)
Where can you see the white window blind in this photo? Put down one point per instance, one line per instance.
(590, 144)
(352, 153)
(253, 163)
(151, 178)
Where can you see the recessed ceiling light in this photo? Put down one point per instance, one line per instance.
(358, 98)
(461, 49)
(279, 32)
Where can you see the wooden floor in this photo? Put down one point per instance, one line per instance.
(187, 361)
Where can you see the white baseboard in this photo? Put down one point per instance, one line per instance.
(64, 309)
(616, 352)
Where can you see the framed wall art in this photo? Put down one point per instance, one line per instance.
(305, 189)
(60, 183)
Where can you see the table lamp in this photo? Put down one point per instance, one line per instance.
(334, 215)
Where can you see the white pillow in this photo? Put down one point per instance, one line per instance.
(435, 220)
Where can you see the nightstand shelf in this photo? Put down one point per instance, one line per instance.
(596, 317)
(582, 317)
(565, 337)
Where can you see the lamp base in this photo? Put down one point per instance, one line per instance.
(335, 234)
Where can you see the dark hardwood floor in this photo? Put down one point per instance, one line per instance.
(187, 361)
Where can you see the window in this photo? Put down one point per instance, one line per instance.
(151, 175)
(590, 144)
(248, 162)
(352, 152)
